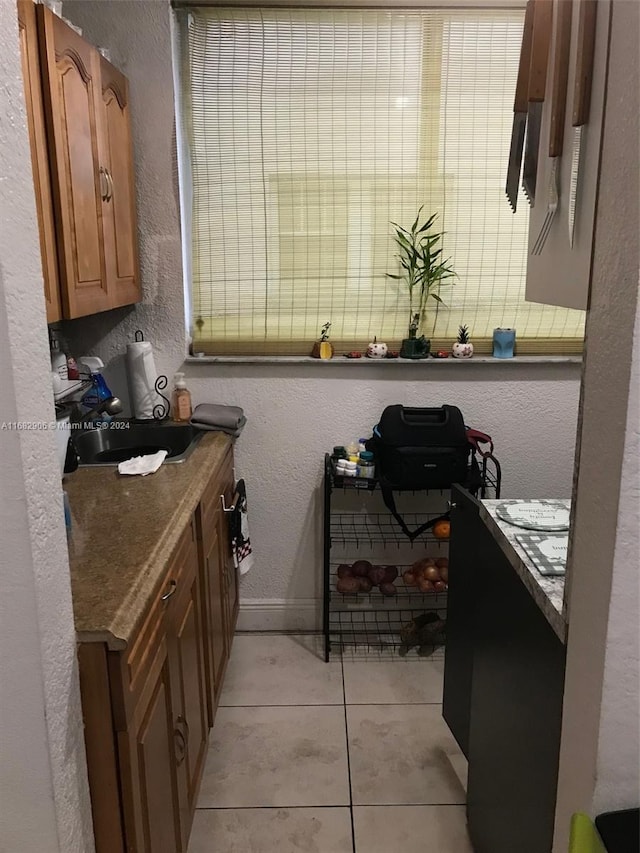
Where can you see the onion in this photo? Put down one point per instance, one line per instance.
(432, 574)
(360, 569)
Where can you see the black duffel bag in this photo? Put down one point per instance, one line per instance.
(419, 449)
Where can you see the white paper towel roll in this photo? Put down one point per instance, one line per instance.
(142, 374)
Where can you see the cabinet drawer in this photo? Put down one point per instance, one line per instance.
(132, 669)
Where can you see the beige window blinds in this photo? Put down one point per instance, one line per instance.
(308, 131)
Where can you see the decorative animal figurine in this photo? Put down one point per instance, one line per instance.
(376, 350)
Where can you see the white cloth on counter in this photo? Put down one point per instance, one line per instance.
(143, 465)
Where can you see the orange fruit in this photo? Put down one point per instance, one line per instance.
(442, 529)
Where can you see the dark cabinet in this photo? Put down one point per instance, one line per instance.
(504, 681)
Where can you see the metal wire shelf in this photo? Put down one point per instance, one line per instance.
(379, 632)
(374, 528)
(406, 596)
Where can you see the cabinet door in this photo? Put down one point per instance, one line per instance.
(39, 156)
(70, 69)
(516, 716)
(118, 208)
(149, 752)
(467, 534)
(188, 688)
(229, 571)
(215, 632)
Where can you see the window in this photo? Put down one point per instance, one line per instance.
(308, 131)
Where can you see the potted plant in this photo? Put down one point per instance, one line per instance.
(424, 271)
(323, 348)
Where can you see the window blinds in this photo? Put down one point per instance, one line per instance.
(309, 131)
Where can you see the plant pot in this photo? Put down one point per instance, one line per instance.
(415, 348)
(323, 350)
(459, 350)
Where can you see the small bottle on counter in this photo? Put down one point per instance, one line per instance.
(366, 465)
(181, 409)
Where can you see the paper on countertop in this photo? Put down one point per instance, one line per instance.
(143, 464)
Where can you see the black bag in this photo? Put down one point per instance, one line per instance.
(422, 449)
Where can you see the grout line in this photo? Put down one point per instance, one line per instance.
(293, 705)
(346, 735)
(337, 806)
(256, 808)
(399, 704)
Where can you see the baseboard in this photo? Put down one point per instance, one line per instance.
(280, 614)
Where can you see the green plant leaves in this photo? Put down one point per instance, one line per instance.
(422, 263)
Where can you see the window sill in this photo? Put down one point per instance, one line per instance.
(372, 362)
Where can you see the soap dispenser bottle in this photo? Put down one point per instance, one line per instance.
(180, 400)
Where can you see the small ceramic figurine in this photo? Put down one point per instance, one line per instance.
(323, 348)
(462, 348)
(376, 350)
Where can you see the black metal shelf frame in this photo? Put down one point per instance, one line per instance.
(370, 621)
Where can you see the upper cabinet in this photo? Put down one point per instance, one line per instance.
(91, 197)
(119, 210)
(39, 156)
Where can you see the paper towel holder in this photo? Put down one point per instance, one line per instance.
(161, 410)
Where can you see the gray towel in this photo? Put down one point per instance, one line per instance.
(229, 419)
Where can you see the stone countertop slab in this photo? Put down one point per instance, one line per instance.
(124, 530)
(547, 592)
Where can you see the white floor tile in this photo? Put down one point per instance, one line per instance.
(399, 755)
(276, 669)
(411, 829)
(309, 830)
(393, 682)
(282, 756)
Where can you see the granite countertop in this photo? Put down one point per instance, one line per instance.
(124, 530)
(547, 592)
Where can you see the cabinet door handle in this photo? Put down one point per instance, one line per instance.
(181, 741)
(104, 184)
(173, 587)
(109, 185)
(183, 721)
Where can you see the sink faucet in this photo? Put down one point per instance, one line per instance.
(108, 406)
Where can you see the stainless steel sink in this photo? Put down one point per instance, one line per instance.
(111, 443)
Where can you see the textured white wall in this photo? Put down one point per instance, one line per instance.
(295, 412)
(599, 748)
(44, 801)
(618, 774)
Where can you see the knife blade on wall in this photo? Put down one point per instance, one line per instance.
(541, 39)
(561, 51)
(520, 105)
(581, 97)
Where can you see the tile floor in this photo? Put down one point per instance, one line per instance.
(346, 757)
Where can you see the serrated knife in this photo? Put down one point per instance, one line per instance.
(581, 97)
(541, 39)
(520, 105)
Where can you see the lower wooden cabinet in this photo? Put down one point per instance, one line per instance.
(148, 709)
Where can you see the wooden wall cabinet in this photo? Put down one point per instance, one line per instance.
(148, 709)
(39, 156)
(79, 122)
